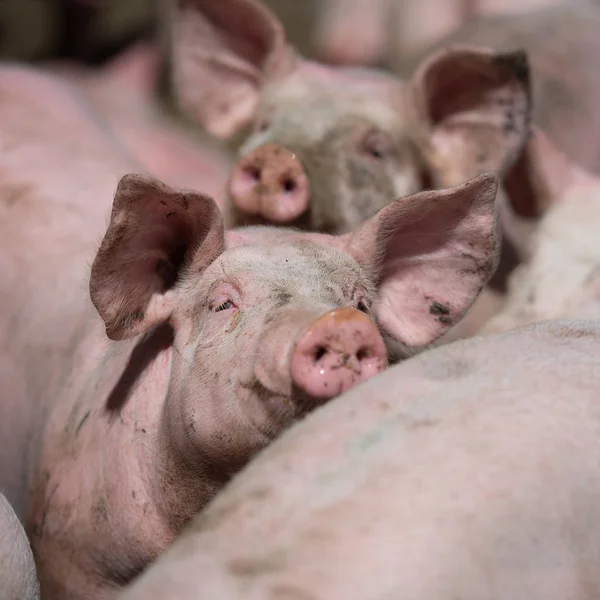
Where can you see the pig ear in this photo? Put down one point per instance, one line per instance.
(222, 52)
(475, 106)
(432, 253)
(155, 233)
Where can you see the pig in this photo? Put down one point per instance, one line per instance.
(560, 277)
(469, 471)
(18, 579)
(367, 32)
(329, 147)
(127, 408)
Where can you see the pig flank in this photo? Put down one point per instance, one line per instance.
(218, 341)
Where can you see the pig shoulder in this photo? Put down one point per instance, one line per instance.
(18, 578)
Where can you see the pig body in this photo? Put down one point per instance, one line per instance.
(18, 579)
(124, 94)
(461, 473)
(560, 276)
(119, 428)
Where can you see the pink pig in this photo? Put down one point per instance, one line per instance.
(470, 471)
(125, 410)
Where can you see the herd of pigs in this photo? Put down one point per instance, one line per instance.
(360, 360)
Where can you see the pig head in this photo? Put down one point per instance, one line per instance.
(329, 147)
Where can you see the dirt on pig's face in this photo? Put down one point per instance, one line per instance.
(350, 143)
(245, 314)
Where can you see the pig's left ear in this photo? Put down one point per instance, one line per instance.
(155, 236)
(473, 109)
(222, 54)
(431, 254)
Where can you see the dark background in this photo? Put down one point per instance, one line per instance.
(93, 31)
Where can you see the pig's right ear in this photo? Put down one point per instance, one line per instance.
(222, 53)
(430, 253)
(472, 106)
(156, 235)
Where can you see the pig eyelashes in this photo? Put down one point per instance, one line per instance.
(225, 305)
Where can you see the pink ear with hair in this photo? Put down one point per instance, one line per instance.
(222, 54)
(432, 253)
(473, 105)
(155, 236)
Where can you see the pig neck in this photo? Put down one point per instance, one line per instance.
(120, 414)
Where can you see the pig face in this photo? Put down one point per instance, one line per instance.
(328, 147)
(268, 323)
(560, 277)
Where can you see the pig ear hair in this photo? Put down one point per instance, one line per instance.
(155, 234)
(222, 52)
(473, 106)
(431, 253)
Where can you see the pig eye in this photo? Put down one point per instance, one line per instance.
(377, 144)
(263, 125)
(224, 306)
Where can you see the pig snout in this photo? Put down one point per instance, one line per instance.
(338, 351)
(270, 182)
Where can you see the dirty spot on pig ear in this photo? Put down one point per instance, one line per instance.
(155, 235)
(474, 110)
(431, 254)
(222, 53)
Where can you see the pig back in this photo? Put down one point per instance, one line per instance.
(563, 46)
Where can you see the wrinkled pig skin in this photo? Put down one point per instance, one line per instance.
(124, 94)
(560, 277)
(334, 145)
(470, 471)
(123, 426)
(18, 579)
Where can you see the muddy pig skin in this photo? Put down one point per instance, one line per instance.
(471, 471)
(134, 389)
(18, 579)
(560, 277)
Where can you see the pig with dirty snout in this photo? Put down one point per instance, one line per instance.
(243, 332)
(329, 147)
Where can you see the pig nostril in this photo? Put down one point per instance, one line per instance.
(363, 354)
(253, 173)
(288, 184)
(320, 353)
